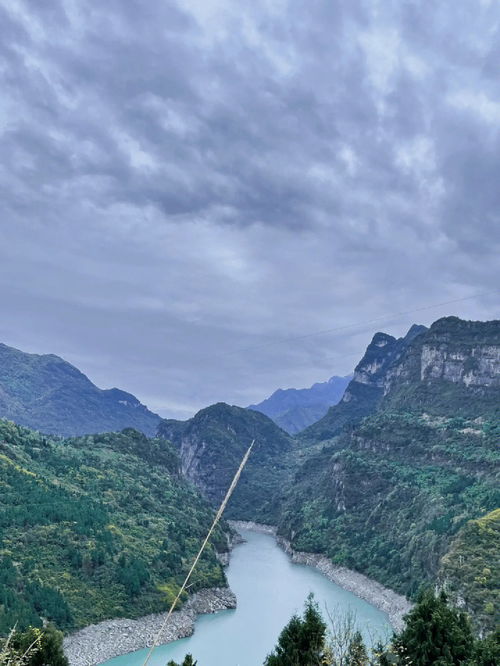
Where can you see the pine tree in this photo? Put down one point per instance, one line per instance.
(188, 661)
(435, 634)
(302, 641)
(357, 654)
(49, 646)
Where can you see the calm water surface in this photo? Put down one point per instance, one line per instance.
(269, 588)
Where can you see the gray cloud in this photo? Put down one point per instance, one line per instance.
(186, 186)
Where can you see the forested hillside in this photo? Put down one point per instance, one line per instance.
(95, 527)
(391, 496)
(46, 393)
(211, 446)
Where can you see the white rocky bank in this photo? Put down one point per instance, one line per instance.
(111, 638)
(395, 605)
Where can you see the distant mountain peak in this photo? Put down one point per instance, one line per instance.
(45, 392)
(294, 409)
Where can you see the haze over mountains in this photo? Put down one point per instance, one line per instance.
(49, 394)
(399, 480)
(294, 409)
(386, 482)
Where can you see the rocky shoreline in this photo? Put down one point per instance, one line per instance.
(395, 605)
(99, 642)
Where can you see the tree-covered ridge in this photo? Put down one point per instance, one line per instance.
(470, 568)
(95, 527)
(388, 498)
(49, 394)
(391, 495)
(211, 446)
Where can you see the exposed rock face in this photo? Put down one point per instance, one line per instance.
(112, 638)
(366, 389)
(461, 352)
(388, 495)
(452, 357)
(211, 446)
(474, 367)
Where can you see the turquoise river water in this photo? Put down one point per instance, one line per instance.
(269, 589)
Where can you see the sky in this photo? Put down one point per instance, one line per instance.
(207, 200)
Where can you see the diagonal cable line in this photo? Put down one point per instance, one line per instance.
(218, 515)
(344, 327)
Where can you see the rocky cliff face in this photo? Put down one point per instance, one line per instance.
(211, 446)
(462, 352)
(366, 389)
(391, 495)
(455, 366)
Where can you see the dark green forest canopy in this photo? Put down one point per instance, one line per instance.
(47, 393)
(95, 527)
(392, 494)
(435, 634)
(212, 444)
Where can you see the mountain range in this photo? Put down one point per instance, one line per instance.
(294, 409)
(399, 480)
(49, 394)
(394, 479)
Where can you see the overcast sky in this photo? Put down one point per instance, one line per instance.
(190, 189)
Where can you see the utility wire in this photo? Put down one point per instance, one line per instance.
(196, 559)
(362, 323)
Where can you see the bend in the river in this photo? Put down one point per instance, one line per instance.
(269, 588)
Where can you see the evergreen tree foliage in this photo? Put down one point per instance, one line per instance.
(188, 661)
(49, 650)
(487, 651)
(302, 641)
(435, 634)
(95, 527)
(357, 654)
(34, 647)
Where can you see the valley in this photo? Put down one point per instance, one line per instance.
(398, 482)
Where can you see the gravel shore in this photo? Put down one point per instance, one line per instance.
(395, 605)
(111, 638)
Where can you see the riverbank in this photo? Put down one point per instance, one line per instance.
(395, 605)
(111, 638)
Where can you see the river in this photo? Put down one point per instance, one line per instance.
(269, 589)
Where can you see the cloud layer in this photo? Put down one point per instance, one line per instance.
(188, 188)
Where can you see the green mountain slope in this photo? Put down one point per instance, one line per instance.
(389, 495)
(467, 572)
(211, 446)
(48, 394)
(95, 527)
